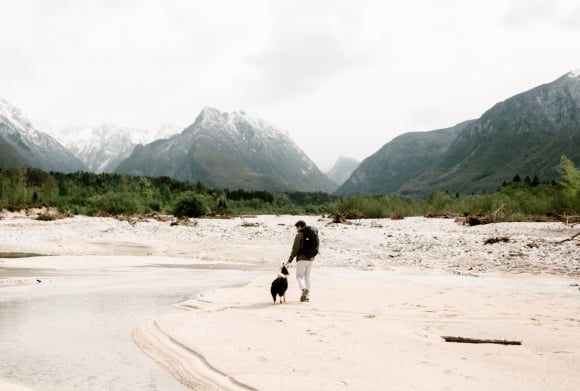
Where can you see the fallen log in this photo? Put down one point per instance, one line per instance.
(572, 238)
(477, 340)
(476, 220)
(497, 239)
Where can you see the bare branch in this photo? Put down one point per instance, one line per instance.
(477, 340)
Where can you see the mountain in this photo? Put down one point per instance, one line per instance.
(400, 160)
(229, 151)
(165, 131)
(23, 145)
(102, 148)
(342, 169)
(9, 156)
(525, 135)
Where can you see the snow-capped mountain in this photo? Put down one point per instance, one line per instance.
(165, 131)
(23, 145)
(229, 151)
(102, 148)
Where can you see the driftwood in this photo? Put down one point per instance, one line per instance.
(569, 239)
(184, 221)
(339, 218)
(497, 239)
(440, 215)
(568, 219)
(476, 220)
(477, 340)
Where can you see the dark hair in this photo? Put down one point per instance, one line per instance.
(300, 223)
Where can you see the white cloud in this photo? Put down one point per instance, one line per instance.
(549, 15)
(305, 48)
(343, 78)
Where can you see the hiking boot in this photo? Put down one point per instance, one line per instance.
(304, 296)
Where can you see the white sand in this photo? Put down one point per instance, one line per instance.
(384, 293)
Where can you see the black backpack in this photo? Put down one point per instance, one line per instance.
(309, 242)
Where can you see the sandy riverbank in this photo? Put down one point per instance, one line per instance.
(385, 291)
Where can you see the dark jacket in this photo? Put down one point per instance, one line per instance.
(296, 248)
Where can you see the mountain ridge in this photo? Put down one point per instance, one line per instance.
(229, 150)
(101, 148)
(24, 145)
(525, 134)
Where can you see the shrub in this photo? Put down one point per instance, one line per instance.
(397, 216)
(115, 204)
(44, 217)
(155, 206)
(189, 204)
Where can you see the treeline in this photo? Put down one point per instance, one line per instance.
(527, 199)
(116, 194)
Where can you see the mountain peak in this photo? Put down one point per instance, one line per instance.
(235, 122)
(13, 115)
(229, 150)
(574, 74)
(342, 169)
(30, 146)
(211, 113)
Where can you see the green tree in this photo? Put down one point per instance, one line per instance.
(189, 204)
(165, 193)
(48, 188)
(200, 188)
(570, 184)
(62, 188)
(18, 187)
(4, 190)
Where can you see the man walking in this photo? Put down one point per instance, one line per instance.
(304, 249)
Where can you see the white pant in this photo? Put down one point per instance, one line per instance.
(303, 274)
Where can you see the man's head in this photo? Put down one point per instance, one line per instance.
(299, 225)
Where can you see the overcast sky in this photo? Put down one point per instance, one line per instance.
(341, 77)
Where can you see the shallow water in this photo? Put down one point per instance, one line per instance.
(73, 332)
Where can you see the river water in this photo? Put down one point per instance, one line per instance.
(73, 332)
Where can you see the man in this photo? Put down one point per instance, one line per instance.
(305, 248)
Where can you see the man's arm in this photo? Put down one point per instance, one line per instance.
(295, 247)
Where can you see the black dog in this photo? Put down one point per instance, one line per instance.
(280, 285)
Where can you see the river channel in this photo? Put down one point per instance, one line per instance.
(73, 332)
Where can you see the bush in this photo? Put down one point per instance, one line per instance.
(397, 216)
(155, 206)
(189, 204)
(115, 204)
(44, 217)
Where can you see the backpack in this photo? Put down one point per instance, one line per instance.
(310, 242)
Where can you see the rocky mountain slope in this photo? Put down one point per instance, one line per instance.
(102, 148)
(400, 160)
(23, 145)
(229, 151)
(525, 135)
